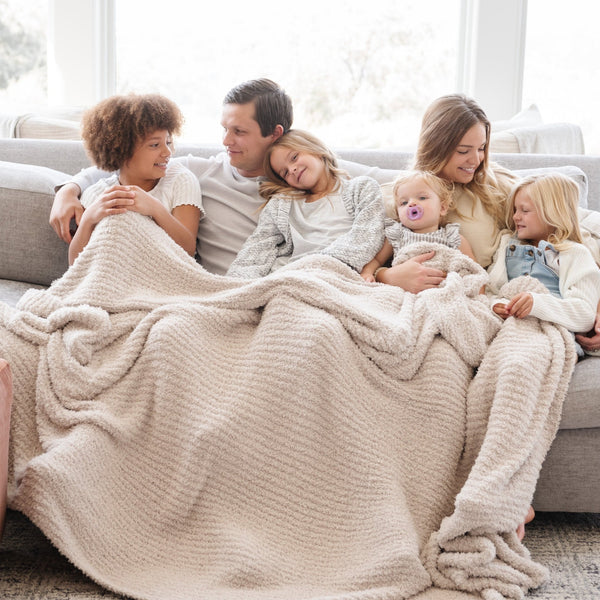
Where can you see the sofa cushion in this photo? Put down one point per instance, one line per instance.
(527, 117)
(26, 196)
(581, 409)
(11, 291)
(548, 138)
(571, 171)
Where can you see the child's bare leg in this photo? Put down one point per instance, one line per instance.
(5, 406)
(528, 519)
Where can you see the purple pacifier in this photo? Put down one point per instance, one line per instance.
(414, 213)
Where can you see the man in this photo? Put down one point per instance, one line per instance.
(255, 114)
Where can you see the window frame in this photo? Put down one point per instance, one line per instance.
(490, 58)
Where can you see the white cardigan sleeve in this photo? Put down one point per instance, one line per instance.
(579, 283)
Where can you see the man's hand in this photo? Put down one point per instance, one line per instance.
(412, 275)
(66, 206)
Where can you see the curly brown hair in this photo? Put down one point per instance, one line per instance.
(113, 128)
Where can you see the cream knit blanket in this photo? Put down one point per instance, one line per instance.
(180, 435)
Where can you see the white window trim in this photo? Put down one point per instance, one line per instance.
(492, 54)
(81, 51)
(82, 58)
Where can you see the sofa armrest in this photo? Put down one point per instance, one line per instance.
(30, 250)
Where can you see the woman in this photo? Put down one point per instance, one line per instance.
(454, 144)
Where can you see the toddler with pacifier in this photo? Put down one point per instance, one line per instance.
(421, 200)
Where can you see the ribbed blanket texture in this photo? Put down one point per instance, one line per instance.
(180, 435)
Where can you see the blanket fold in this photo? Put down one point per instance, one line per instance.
(306, 435)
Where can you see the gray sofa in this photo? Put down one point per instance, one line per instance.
(32, 255)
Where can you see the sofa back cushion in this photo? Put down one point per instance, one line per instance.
(30, 250)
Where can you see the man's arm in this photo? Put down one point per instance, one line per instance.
(66, 205)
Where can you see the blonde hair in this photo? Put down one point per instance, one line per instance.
(445, 123)
(431, 180)
(556, 199)
(302, 141)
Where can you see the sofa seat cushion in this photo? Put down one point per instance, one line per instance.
(11, 291)
(581, 409)
(30, 250)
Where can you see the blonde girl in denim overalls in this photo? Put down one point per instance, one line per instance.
(545, 242)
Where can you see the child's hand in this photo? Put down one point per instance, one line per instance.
(114, 201)
(520, 305)
(500, 310)
(368, 276)
(144, 203)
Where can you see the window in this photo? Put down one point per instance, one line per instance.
(359, 75)
(23, 64)
(562, 72)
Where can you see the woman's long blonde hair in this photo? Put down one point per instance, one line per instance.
(301, 141)
(556, 200)
(445, 123)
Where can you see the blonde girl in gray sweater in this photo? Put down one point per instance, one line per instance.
(311, 207)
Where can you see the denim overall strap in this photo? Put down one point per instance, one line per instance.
(531, 260)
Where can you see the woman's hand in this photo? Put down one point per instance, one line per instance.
(590, 341)
(368, 277)
(412, 275)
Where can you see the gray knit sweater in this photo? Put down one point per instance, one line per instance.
(399, 236)
(272, 237)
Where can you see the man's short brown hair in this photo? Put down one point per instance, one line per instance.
(272, 105)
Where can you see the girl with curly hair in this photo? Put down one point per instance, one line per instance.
(133, 136)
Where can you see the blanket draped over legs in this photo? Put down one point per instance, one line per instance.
(307, 435)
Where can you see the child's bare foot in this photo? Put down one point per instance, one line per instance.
(528, 518)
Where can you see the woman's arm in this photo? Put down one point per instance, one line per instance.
(590, 341)
(465, 247)
(412, 275)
